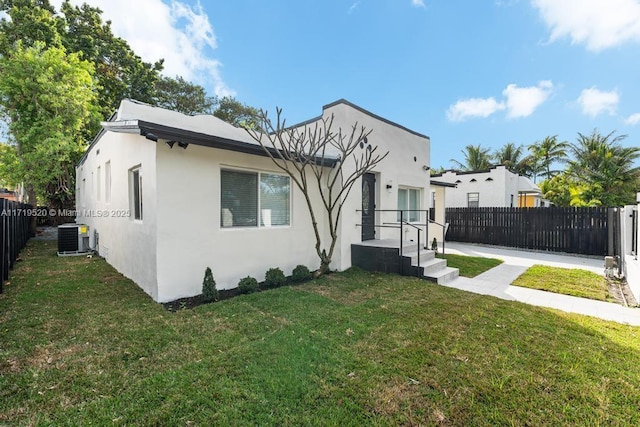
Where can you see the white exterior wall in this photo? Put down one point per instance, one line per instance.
(128, 245)
(494, 193)
(190, 237)
(631, 264)
(399, 169)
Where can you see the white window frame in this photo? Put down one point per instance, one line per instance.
(414, 217)
(136, 198)
(477, 201)
(98, 183)
(259, 214)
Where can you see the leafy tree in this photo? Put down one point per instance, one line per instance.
(30, 21)
(301, 154)
(547, 152)
(120, 73)
(238, 114)
(605, 168)
(558, 189)
(49, 98)
(475, 158)
(177, 94)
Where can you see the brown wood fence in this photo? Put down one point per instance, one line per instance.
(14, 232)
(571, 230)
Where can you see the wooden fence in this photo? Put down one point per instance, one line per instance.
(571, 230)
(14, 232)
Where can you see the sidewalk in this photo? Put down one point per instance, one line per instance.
(497, 281)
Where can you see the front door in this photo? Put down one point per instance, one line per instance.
(368, 206)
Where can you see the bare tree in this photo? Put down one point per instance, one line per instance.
(315, 156)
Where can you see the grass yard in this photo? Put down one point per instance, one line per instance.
(80, 345)
(471, 266)
(575, 282)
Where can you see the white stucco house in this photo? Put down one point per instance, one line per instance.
(495, 187)
(166, 195)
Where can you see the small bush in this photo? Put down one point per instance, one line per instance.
(301, 273)
(209, 291)
(274, 278)
(434, 245)
(248, 285)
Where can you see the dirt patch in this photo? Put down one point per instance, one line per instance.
(620, 291)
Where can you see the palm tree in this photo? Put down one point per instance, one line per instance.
(510, 156)
(606, 168)
(475, 158)
(549, 151)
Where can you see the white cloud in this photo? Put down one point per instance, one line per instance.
(473, 107)
(418, 3)
(173, 30)
(353, 7)
(599, 24)
(523, 101)
(595, 102)
(633, 119)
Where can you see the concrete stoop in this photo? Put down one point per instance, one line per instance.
(433, 269)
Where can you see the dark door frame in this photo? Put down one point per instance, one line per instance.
(368, 206)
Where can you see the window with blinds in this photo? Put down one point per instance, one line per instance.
(250, 199)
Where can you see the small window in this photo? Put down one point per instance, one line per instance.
(432, 209)
(250, 199)
(409, 201)
(473, 200)
(473, 180)
(512, 200)
(489, 179)
(135, 192)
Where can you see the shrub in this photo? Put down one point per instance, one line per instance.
(301, 273)
(434, 245)
(209, 290)
(274, 278)
(248, 285)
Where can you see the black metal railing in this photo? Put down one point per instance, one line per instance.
(403, 219)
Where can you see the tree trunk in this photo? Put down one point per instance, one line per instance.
(33, 224)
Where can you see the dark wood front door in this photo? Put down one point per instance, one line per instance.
(368, 206)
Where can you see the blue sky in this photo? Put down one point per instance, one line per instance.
(462, 72)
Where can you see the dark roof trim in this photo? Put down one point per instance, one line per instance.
(442, 184)
(458, 172)
(154, 132)
(362, 110)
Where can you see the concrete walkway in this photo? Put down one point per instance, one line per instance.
(497, 281)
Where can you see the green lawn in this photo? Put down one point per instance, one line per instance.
(471, 266)
(80, 345)
(575, 282)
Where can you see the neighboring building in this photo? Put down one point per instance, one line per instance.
(168, 195)
(495, 187)
(5, 193)
(439, 191)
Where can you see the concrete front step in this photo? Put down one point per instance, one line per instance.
(444, 275)
(432, 265)
(425, 255)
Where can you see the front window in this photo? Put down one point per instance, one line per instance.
(473, 200)
(135, 192)
(251, 199)
(408, 201)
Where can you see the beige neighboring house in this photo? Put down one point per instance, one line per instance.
(491, 188)
(167, 195)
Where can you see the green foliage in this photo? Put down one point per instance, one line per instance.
(557, 189)
(248, 285)
(274, 277)
(606, 170)
(470, 266)
(238, 114)
(49, 97)
(547, 152)
(301, 274)
(513, 158)
(209, 290)
(177, 94)
(476, 158)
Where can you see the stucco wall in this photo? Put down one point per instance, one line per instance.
(190, 237)
(434, 229)
(495, 188)
(403, 167)
(126, 244)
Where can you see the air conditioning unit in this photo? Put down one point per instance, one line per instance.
(73, 239)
